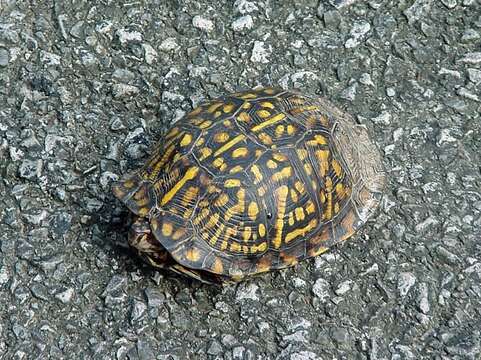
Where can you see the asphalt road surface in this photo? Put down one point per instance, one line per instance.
(86, 88)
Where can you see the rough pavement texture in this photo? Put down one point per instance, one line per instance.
(86, 90)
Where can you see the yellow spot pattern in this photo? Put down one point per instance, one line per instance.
(272, 120)
(186, 140)
(229, 144)
(281, 208)
(240, 152)
(252, 210)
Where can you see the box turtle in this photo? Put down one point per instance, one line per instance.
(252, 182)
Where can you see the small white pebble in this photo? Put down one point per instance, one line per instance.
(202, 23)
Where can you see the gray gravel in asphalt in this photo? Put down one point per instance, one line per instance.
(86, 90)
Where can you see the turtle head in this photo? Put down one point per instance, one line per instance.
(140, 236)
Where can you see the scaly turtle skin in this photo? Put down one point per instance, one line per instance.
(252, 182)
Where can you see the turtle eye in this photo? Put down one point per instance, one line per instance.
(269, 215)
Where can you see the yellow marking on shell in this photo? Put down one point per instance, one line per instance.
(257, 174)
(221, 200)
(229, 144)
(283, 174)
(324, 120)
(172, 132)
(262, 230)
(311, 121)
(238, 208)
(291, 129)
(178, 234)
(167, 229)
(217, 114)
(300, 214)
(204, 203)
(188, 213)
(205, 153)
(215, 237)
(299, 187)
(302, 109)
(252, 210)
(218, 162)
(321, 140)
(301, 231)
(246, 235)
(318, 251)
(227, 124)
(281, 208)
(294, 196)
(143, 201)
(246, 105)
(205, 124)
(268, 91)
(271, 164)
(248, 96)
(235, 247)
(328, 210)
(192, 254)
(190, 194)
(229, 232)
(336, 208)
(267, 104)
(241, 194)
(263, 113)
(236, 169)
(240, 152)
(228, 108)
(196, 111)
(211, 109)
(322, 196)
(279, 130)
(265, 139)
(232, 183)
(186, 140)
(200, 142)
(258, 153)
(310, 208)
(213, 220)
(258, 248)
(221, 137)
(217, 266)
(190, 174)
(279, 156)
(291, 220)
(212, 189)
(323, 156)
(163, 160)
(337, 168)
(196, 121)
(308, 169)
(177, 157)
(262, 190)
(128, 184)
(201, 217)
(244, 117)
(328, 184)
(272, 120)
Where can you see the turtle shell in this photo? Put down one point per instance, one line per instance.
(251, 182)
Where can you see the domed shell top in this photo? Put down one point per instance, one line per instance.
(251, 182)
